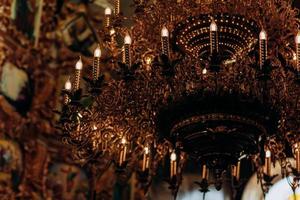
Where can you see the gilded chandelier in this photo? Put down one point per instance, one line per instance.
(208, 82)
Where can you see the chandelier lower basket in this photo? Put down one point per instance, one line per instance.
(215, 128)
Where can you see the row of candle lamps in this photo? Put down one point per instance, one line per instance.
(263, 50)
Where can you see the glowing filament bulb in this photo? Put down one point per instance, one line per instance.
(164, 32)
(97, 52)
(263, 35)
(127, 39)
(79, 64)
(213, 26)
(107, 11)
(68, 85)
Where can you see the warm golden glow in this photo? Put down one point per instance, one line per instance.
(164, 32)
(173, 156)
(68, 85)
(107, 11)
(263, 35)
(97, 52)
(127, 39)
(79, 64)
(213, 26)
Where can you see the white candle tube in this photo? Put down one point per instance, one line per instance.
(213, 37)
(107, 13)
(96, 63)
(165, 41)
(263, 48)
(68, 87)
(127, 50)
(78, 68)
(145, 159)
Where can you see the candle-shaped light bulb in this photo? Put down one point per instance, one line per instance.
(127, 52)
(123, 151)
(165, 41)
(263, 35)
(213, 26)
(297, 41)
(127, 39)
(68, 87)
(97, 52)
(117, 7)
(164, 32)
(146, 150)
(107, 13)
(213, 37)
(79, 64)
(263, 48)
(268, 162)
(173, 164)
(268, 154)
(145, 165)
(78, 68)
(96, 62)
